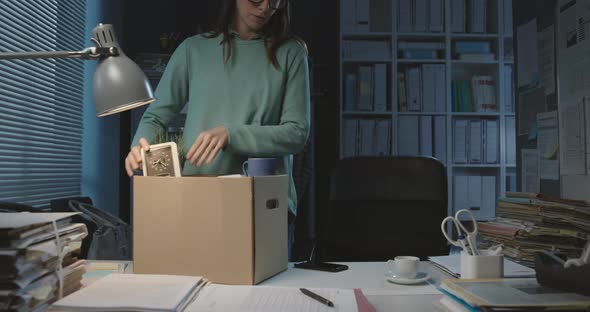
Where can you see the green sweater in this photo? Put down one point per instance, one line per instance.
(265, 110)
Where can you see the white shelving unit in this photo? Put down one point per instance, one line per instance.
(454, 69)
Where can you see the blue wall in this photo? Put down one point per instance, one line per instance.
(100, 148)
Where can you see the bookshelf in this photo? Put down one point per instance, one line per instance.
(389, 122)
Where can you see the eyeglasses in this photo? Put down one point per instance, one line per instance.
(273, 4)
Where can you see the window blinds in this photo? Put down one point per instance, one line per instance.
(41, 101)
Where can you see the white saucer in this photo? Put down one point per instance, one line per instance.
(421, 277)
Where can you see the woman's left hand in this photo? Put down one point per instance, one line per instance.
(207, 145)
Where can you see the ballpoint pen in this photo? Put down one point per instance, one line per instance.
(317, 297)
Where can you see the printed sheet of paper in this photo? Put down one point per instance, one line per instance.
(547, 59)
(527, 64)
(530, 171)
(548, 145)
(530, 104)
(267, 298)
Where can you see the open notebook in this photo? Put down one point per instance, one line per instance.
(134, 292)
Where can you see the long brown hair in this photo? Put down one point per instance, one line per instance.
(275, 32)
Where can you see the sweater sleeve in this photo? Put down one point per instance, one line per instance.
(171, 95)
(290, 135)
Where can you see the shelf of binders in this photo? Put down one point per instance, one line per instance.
(476, 189)
(366, 113)
(364, 60)
(476, 114)
(365, 89)
(422, 113)
(476, 143)
(420, 61)
(421, 35)
(476, 165)
(474, 36)
(474, 62)
(366, 35)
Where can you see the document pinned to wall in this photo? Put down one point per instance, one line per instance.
(587, 130)
(530, 171)
(528, 65)
(530, 104)
(548, 145)
(547, 59)
(573, 51)
(573, 140)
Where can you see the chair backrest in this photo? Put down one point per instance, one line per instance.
(382, 207)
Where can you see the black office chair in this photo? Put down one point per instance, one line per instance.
(382, 207)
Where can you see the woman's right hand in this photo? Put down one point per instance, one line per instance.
(133, 160)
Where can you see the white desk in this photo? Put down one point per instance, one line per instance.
(370, 277)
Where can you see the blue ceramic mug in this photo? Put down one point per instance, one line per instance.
(255, 167)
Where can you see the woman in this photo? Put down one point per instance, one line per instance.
(247, 89)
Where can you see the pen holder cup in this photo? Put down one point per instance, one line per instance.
(482, 266)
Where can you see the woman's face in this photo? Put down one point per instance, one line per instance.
(253, 15)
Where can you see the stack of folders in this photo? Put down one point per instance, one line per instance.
(474, 51)
(527, 223)
(506, 295)
(134, 292)
(32, 260)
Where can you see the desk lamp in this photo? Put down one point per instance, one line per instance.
(119, 84)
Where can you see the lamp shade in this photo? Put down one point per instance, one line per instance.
(119, 84)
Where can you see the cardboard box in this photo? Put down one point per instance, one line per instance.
(229, 230)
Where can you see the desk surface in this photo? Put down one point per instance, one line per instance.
(371, 278)
(368, 276)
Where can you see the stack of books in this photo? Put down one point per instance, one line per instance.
(527, 223)
(32, 260)
(421, 50)
(477, 51)
(516, 294)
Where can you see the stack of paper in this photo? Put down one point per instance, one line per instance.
(135, 292)
(528, 223)
(507, 295)
(29, 258)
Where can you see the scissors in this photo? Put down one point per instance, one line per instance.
(584, 259)
(466, 238)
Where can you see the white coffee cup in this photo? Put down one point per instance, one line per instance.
(404, 266)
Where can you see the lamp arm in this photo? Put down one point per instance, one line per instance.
(88, 53)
